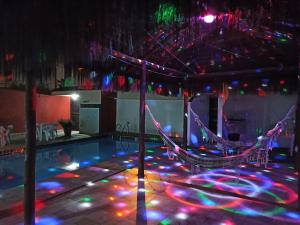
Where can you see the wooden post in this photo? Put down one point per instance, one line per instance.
(142, 122)
(30, 152)
(185, 113)
(297, 134)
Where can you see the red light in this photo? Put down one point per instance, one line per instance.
(52, 192)
(245, 85)
(185, 93)
(282, 82)
(121, 81)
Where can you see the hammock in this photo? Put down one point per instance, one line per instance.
(208, 135)
(258, 152)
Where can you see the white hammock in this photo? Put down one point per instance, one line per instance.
(258, 152)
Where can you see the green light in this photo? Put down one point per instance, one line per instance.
(150, 151)
(69, 82)
(242, 92)
(130, 80)
(283, 39)
(105, 181)
(166, 14)
(285, 90)
(165, 222)
(86, 199)
(150, 89)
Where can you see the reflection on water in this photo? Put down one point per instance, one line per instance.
(54, 160)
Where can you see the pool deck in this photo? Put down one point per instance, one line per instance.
(109, 193)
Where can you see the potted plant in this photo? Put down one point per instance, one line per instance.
(67, 126)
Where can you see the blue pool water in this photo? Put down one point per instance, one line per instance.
(52, 160)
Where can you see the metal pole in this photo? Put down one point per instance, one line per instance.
(142, 122)
(30, 152)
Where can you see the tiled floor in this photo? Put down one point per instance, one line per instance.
(107, 194)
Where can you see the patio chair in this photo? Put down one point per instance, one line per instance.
(2, 136)
(8, 133)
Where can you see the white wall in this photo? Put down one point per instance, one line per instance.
(200, 106)
(167, 110)
(260, 113)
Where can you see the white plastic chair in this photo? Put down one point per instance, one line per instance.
(2, 136)
(8, 132)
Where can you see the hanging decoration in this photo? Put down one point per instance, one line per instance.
(68, 82)
(121, 82)
(167, 14)
(150, 88)
(87, 84)
(107, 84)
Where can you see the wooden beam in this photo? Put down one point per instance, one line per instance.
(142, 122)
(30, 151)
(185, 113)
(297, 136)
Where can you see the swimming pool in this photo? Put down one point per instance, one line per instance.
(54, 160)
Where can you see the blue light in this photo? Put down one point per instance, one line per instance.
(97, 157)
(207, 88)
(129, 165)
(51, 169)
(280, 157)
(208, 202)
(48, 221)
(274, 144)
(258, 70)
(250, 212)
(293, 215)
(230, 150)
(49, 185)
(167, 128)
(154, 215)
(85, 163)
(235, 83)
(165, 154)
(215, 151)
(121, 153)
(149, 157)
(106, 81)
(194, 139)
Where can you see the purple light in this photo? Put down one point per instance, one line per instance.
(209, 18)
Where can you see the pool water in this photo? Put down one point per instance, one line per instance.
(59, 159)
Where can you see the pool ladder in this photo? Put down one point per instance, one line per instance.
(124, 129)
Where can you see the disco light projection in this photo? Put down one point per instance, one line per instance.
(258, 186)
(50, 185)
(167, 128)
(47, 221)
(72, 166)
(194, 139)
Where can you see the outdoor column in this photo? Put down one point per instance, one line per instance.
(142, 122)
(297, 134)
(30, 151)
(185, 114)
(220, 116)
